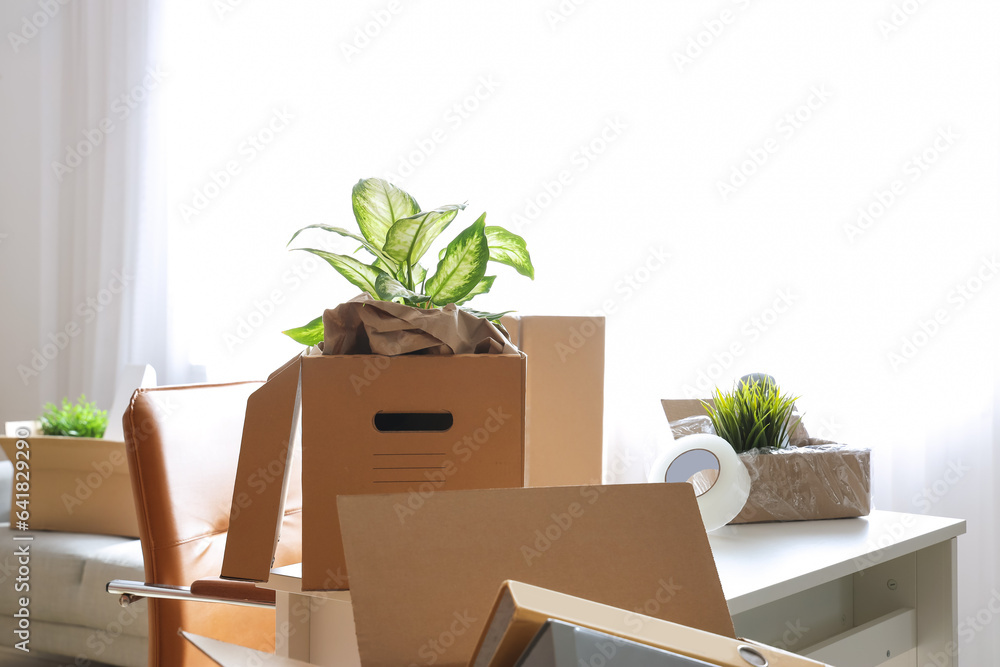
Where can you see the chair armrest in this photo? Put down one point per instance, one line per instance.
(133, 591)
(245, 591)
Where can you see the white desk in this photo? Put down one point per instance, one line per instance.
(851, 592)
(844, 592)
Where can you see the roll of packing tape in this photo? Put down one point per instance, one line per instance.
(725, 499)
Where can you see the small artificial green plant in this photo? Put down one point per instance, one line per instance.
(755, 415)
(397, 234)
(82, 420)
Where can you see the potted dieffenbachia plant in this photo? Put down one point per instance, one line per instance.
(396, 234)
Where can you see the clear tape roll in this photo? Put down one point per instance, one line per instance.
(725, 499)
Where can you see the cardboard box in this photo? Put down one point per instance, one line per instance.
(76, 485)
(424, 577)
(564, 397)
(818, 480)
(460, 422)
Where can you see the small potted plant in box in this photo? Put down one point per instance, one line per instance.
(69, 478)
(793, 477)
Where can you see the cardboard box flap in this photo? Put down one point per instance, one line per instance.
(680, 408)
(269, 433)
(640, 547)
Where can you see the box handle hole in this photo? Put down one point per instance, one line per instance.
(395, 422)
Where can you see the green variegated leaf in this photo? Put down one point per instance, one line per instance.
(482, 288)
(409, 238)
(382, 266)
(390, 289)
(492, 317)
(419, 274)
(309, 334)
(463, 266)
(359, 274)
(377, 205)
(510, 249)
(364, 243)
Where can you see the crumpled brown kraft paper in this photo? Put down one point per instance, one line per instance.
(366, 326)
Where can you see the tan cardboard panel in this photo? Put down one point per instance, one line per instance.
(429, 567)
(343, 452)
(564, 397)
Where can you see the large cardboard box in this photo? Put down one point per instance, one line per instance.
(815, 480)
(77, 485)
(410, 424)
(564, 397)
(423, 579)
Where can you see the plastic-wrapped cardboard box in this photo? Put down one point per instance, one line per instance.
(411, 424)
(814, 480)
(564, 397)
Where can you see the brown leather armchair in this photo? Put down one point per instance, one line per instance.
(183, 446)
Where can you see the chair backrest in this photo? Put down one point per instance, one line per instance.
(183, 447)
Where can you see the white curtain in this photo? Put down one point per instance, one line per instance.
(822, 179)
(102, 228)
